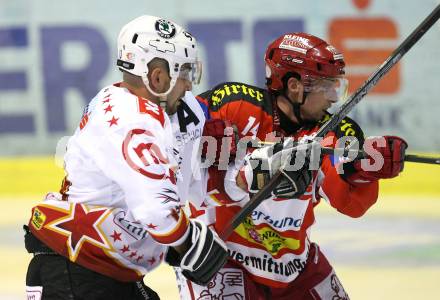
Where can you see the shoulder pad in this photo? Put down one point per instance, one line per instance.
(347, 127)
(236, 91)
(125, 108)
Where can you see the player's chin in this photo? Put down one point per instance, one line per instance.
(171, 110)
(172, 106)
(319, 115)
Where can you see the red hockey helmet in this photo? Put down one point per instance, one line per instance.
(307, 55)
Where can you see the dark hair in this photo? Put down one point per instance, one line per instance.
(286, 78)
(158, 63)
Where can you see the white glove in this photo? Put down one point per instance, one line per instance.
(289, 158)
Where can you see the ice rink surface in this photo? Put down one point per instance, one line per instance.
(393, 252)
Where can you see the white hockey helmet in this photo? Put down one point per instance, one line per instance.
(148, 37)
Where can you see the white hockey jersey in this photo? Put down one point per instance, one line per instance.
(121, 201)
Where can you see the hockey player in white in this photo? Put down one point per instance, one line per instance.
(119, 212)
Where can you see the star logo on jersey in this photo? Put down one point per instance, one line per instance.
(81, 225)
(152, 226)
(108, 109)
(125, 249)
(152, 260)
(116, 236)
(113, 121)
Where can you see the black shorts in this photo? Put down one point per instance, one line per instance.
(62, 279)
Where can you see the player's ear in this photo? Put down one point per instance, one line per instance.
(294, 89)
(159, 79)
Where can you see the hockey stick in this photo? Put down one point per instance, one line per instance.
(361, 154)
(340, 114)
(422, 159)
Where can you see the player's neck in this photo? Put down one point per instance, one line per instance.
(286, 107)
(140, 92)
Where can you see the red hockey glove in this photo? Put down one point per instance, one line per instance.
(226, 138)
(392, 153)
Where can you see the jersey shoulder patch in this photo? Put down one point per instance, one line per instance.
(134, 108)
(346, 128)
(153, 110)
(235, 91)
(115, 108)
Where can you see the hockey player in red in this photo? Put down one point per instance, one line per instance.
(119, 212)
(271, 255)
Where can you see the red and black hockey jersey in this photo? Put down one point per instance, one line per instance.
(272, 244)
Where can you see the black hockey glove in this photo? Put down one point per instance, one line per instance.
(206, 255)
(291, 159)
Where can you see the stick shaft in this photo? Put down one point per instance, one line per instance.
(361, 154)
(374, 78)
(422, 159)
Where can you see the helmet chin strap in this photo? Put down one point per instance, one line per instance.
(162, 96)
(297, 107)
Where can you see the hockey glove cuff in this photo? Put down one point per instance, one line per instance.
(206, 255)
(292, 160)
(385, 159)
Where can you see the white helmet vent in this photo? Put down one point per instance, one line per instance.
(134, 39)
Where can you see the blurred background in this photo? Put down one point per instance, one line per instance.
(55, 56)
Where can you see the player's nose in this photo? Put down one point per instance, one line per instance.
(188, 85)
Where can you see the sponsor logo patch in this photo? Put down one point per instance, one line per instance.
(38, 219)
(143, 155)
(165, 28)
(266, 236)
(287, 267)
(295, 43)
(235, 89)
